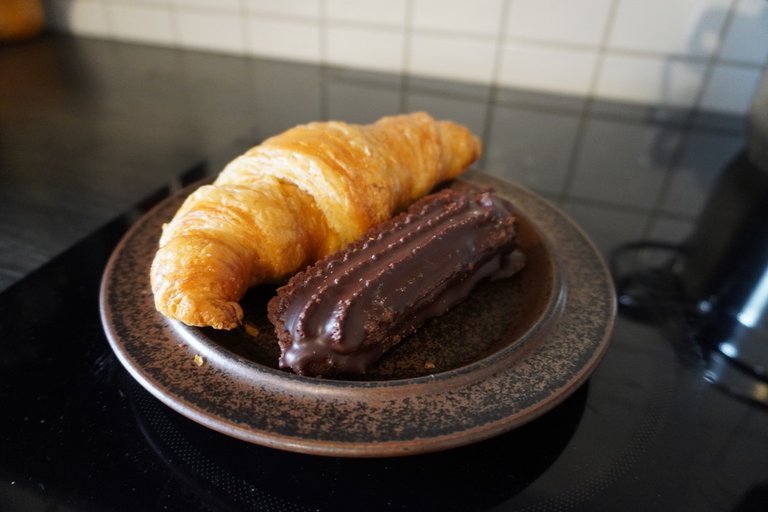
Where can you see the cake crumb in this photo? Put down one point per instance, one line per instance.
(199, 361)
(251, 330)
(429, 365)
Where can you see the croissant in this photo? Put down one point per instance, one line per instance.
(292, 200)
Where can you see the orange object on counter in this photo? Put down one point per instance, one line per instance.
(20, 19)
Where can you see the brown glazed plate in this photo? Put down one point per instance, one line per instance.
(512, 351)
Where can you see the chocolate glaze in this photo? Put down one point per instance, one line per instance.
(341, 314)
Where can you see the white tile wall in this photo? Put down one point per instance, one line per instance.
(452, 57)
(149, 22)
(544, 68)
(747, 37)
(283, 38)
(677, 27)
(730, 87)
(309, 9)
(380, 50)
(686, 53)
(231, 6)
(85, 17)
(478, 17)
(671, 81)
(391, 13)
(569, 22)
(220, 31)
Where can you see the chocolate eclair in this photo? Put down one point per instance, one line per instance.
(342, 313)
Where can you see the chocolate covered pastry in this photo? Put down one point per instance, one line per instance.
(341, 314)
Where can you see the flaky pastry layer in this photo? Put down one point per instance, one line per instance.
(292, 200)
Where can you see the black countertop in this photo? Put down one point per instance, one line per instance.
(91, 129)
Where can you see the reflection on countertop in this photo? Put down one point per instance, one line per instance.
(90, 127)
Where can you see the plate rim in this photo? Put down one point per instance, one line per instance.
(490, 367)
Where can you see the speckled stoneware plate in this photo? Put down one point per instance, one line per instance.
(514, 350)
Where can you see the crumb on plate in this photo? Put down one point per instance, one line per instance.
(250, 329)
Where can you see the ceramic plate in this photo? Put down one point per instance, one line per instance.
(512, 351)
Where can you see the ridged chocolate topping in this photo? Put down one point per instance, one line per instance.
(343, 313)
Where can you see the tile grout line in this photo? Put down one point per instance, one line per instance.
(109, 21)
(174, 22)
(405, 68)
(534, 43)
(322, 43)
(245, 20)
(494, 85)
(586, 109)
(250, 68)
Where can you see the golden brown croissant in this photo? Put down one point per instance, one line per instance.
(293, 199)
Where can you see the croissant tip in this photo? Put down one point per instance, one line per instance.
(216, 313)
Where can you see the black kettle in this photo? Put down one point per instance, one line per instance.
(726, 264)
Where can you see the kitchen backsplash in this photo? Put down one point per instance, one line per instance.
(701, 54)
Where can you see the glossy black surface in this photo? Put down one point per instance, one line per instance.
(646, 431)
(91, 128)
